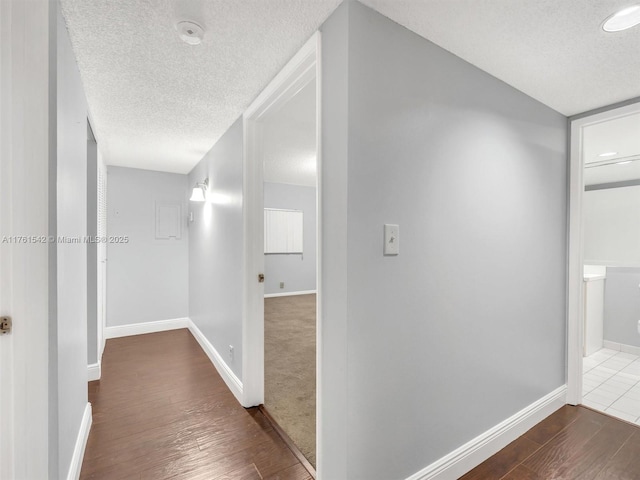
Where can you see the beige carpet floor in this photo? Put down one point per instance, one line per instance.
(290, 368)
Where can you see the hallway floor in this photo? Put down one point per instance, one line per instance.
(161, 411)
(611, 384)
(574, 443)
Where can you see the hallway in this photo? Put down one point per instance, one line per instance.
(162, 411)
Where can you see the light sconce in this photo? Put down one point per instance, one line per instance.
(200, 191)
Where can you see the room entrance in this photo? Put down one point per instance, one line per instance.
(282, 323)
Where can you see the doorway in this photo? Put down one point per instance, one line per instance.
(290, 180)
(282, 172)
(604, 263)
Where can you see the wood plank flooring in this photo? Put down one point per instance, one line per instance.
(572, 443)
(161, 411)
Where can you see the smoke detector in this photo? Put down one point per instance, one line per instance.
(190, 32)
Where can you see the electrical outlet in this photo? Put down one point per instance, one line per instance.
(231, 352)
(281, 284)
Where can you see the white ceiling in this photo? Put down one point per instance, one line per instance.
(621, 135)
(553, 50)
(157, 103)
(289, 140)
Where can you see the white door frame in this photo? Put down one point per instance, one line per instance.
(575, 299)
(303, 67)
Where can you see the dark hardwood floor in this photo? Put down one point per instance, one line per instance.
(161, 411)
(572, 443)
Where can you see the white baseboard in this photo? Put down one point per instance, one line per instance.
(94, 372)
(81, 443)
(289, 294)
(230, 378)
(621, 347)
(473, 453)
(146, 327)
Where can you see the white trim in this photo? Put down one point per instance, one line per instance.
(230, 378)
(300, 70)
(473, 453)
(146, 327)
(319, 253)
(575, 293)
(621, 347)
(81, 444)
(94, 372)
(289, 294)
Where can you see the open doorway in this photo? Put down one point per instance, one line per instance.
(281, 332)
(290, 179)
(605, 253)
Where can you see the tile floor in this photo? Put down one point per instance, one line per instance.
(611, 384)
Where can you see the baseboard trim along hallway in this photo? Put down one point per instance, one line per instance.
(146, 327)
(473, 453)
(230, 378)
(93, 372)
(81, 444)
(289, 294)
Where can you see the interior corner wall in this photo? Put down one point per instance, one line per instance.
(71, 199)
(297, 272)
(147, 277)
(215, 247)
(466, 326)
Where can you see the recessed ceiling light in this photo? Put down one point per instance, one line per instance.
(190, 32)
(608, 154)
(623, 163)
(625, 18)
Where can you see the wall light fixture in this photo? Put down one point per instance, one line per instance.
(200, 191)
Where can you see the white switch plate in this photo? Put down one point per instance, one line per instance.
(391, 239)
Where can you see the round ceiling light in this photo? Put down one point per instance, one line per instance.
(625, 18)
(190, 32)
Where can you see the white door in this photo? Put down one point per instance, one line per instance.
(26, 130)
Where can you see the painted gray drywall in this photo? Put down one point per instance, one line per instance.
(71, 257)
(298, 272)
(215, 248)
(332, 376)
(612, 226)
(622, 305)
(92, 248)
(474, 172)
(147, 278)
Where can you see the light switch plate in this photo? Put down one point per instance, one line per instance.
(391, 239)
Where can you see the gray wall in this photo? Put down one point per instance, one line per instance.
(474, 172)
(92, 248)
(612, 226)
(147, 278)
(332, 379)
(215, 248)
(71, 257)
(298, 272)
(622, 305)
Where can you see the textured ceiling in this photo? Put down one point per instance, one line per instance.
(158, 103)
(289, 136)
(553, 50)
